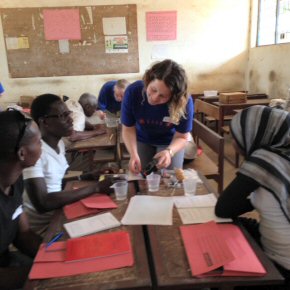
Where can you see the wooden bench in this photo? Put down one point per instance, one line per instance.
(203, 163)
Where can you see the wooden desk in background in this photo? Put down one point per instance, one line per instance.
(107, 141)
(229, 109)
(172, 270)
(136, 277)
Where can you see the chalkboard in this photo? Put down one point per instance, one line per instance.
(37, 57)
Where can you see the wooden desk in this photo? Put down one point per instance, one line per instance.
(169, 260)
(229, 109)
(136, 277)
(107, 141)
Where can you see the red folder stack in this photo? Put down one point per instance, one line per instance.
(219, 250)
(93, 253)
(89, 205)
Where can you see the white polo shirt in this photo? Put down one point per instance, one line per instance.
(52, 167)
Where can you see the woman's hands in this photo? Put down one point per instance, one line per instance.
(164, 159)
(135, 164)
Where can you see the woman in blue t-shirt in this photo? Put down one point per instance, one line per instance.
(157, 117)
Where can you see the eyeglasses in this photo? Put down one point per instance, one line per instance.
(23, 123)
(62, 117)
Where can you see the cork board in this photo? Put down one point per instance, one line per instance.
(29, 54)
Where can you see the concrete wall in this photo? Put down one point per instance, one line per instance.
(268, 66)
(212, 45)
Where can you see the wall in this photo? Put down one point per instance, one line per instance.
(268, 66)
(212, 45)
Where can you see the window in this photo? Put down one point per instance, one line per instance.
(273, 22)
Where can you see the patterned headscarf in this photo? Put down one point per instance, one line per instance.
(263, 134)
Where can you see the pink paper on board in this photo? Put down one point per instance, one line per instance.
(61, 24)
(161, 25)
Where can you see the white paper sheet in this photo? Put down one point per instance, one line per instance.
(114, 25)
(91, 225)
(63, 46)
(199, 215)
(205, 200)
(149, 210)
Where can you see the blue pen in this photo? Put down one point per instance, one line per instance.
(54, 239)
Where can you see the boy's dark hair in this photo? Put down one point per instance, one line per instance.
(41, 105)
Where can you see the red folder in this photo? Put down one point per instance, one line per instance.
(89, 205)
(97, 246)
(50, 262)
(205, 253)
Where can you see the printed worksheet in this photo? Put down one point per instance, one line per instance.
(204, 200)
(149, 210)
(197, 215)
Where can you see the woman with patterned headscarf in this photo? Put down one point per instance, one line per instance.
(262, 135)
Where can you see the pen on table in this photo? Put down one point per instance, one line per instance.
(111, 136)
(54, 239)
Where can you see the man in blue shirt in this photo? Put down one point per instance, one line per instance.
(111, 96)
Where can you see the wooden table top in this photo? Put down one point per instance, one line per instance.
(107, 140)
(172, 270)
(135, 277)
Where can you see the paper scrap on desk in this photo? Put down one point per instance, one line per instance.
(204, 200)
(199, 215)
(91, 225)
(149, 210)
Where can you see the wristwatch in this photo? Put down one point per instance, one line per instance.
(170, 152)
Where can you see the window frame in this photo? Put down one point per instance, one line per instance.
(276, 32)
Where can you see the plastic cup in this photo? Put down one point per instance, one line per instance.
(153, 181)
(189, 186)
(111, 122)
(121, 190)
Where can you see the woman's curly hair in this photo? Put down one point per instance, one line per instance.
(174, 77)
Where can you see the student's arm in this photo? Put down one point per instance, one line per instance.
(13, 277)
(129, 137)
(43, 201)
(234, 200)
(26, 240)
(178, 143)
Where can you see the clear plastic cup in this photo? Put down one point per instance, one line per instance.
(111, 122)
(153, 181)
(121, 190)
(189, 186)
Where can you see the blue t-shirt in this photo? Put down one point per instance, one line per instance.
(106, 99)
(152, 122)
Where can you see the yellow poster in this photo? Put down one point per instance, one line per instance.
(23, 42)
